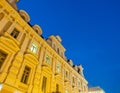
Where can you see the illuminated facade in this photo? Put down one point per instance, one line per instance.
(95, 90)
(31, 64)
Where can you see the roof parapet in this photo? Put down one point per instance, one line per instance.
(75, 67)
(38, 29)
(24, 15)
(59, 38)
(70, 62)
(80, 70)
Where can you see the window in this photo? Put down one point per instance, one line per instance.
(58, 67)
(78, 83)
(25, 75)
(2, 58)
(66, 91)
(1, 16)
(58, 50)
(54, 46)
(34, 48)
(66, 74)
(44, 82)
(47, 59)
(73, 80)
(57, 88)
(84, 88)
(15, 33)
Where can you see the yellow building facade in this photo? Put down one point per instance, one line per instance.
(95, 90)
(31, 64)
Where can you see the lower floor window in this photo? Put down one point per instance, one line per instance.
(57, 88)
(44, 82)
(2, 58)
(66, 91)
(25, 75)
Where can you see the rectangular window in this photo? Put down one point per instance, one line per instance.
(58, 67)
(1, 16)
(57, 88)
(73, 80)
(58, 50)
(47, 59)
(34, 48)
(78, 84)
(15, 33)
(25, 75)
(66, 74)
(44, 82)
(66, 91)
(2, 58)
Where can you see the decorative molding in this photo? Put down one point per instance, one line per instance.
(24, 15)
(75, 67)
(38, 29)
(70, 62)
(59, 38)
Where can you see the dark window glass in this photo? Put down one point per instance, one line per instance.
(44, 84)
(15, 33)
(1, 16)
(57, 88)
(2, 58)
(66, 73)
(25, 75)
(73, 80)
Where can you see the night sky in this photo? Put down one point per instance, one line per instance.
(90, 32)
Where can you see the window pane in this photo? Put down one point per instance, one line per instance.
(66, 91)
(1, 16)
(58, 67)
(47, 59)
(34, 48)
(15, 33)
(73, 80)
(2, 58)
(78, 84)
(25, 75)
(57, 88)
(44, 84)
(66, 74)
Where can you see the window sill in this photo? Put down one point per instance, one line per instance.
(23, 86)
(14, 39)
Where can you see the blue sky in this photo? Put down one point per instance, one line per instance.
(90, 30)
